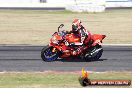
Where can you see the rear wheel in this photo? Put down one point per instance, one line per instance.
(47, 54)
(94, 53)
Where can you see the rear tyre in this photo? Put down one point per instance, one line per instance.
(47, 54)
(94, 53)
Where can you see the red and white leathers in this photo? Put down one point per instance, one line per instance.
(80, 31)
(83, 34)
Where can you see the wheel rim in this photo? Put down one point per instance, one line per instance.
(49, 55)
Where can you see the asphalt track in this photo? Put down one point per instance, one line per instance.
(58, 8)
(27, 58)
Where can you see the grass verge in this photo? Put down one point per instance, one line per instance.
(55, 79)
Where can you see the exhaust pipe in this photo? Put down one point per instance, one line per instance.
(96, 51)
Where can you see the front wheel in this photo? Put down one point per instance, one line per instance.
(47, 54)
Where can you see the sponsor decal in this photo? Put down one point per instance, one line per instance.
(84, 80)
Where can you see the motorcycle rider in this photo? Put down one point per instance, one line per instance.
(79, 30)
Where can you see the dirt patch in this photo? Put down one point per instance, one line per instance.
(36, 27)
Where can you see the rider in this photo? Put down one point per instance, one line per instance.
(78, 29)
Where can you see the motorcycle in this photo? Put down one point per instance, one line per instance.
(59, 46)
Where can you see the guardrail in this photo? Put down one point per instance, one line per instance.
(118, 3)
(73, 5)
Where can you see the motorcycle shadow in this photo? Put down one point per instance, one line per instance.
(78, 60)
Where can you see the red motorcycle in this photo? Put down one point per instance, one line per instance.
(59, 46)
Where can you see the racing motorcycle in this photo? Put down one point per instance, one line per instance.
(59, 46)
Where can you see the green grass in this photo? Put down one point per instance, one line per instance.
(55, 80)
(37, 26)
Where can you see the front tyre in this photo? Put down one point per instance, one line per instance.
(47, 54)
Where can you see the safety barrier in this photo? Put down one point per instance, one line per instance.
(72, 5)
(118, 3)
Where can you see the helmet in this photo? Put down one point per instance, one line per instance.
(76, 24)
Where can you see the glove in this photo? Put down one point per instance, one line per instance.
(75, 52)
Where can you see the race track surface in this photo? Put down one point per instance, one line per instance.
(27, 58)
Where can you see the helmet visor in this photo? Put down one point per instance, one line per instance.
(74, 27)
